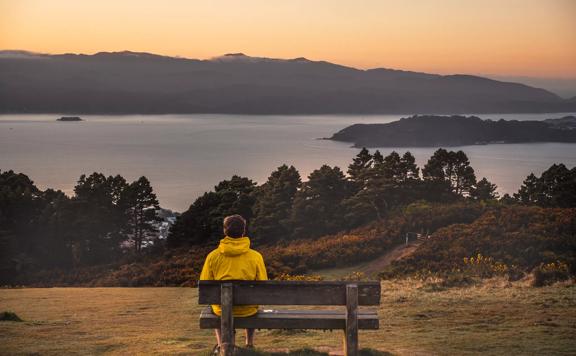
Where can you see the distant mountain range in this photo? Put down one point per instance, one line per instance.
(130, 82)
(445, 131)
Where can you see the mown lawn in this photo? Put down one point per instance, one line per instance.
(495, 318)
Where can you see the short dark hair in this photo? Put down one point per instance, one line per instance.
(234, 226)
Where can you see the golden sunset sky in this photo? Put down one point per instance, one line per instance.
(500, 37)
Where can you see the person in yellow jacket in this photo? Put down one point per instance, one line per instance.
(234, 259)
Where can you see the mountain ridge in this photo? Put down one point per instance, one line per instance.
(141, 82)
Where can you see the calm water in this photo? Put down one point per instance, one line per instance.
(186, 155)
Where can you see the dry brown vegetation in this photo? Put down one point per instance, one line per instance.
(181, 266)
(496, 317)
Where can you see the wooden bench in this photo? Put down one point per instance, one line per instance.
(349, 294)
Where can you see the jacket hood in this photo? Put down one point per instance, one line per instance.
(234, 246)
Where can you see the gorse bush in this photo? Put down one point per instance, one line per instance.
(483, 267)
(548, 273)
(515, 238)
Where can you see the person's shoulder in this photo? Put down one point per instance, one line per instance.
(213, 254)
(255, 254)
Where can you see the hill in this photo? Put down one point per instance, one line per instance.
(132, 82)
(438, 131)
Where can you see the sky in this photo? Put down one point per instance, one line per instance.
(511, 38)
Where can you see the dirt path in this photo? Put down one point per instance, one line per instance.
(398, 253)
(373, 267)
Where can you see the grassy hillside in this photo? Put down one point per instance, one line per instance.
(494, 318)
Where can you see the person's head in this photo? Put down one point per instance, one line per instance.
(234, 226)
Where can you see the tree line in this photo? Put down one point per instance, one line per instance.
(286, 208)
(107, 217)
(47, 229)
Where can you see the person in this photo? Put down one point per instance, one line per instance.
(234, 260)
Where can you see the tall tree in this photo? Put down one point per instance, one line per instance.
(556, 187)
(359, 168)
(139, 204)
(392, 181)
(484, 190)
(273, 205)
(452, 168)
(530, 190)
(96, 218)
(202, 222)
(20, 204)
(317, 206)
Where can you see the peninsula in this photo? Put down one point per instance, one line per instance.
(446, 131)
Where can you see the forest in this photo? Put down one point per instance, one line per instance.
(106, 233)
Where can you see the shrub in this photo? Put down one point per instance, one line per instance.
(546, 274)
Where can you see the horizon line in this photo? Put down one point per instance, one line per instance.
(493, 76)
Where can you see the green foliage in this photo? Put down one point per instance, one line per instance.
(556, 187)
(273, 205)
(484, 190)
(202, 222)
(385, 196)
(47, 230)
(360, 166)
(139, 204)
(317, 206)
(451, 168)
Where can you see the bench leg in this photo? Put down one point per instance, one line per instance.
(227, 320)
(351, 331)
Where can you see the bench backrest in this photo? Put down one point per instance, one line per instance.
(289, 292)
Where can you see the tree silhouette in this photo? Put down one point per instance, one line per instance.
(317, 206)
(484, 190)
(139, 204)
(273, 205)
(452, 168)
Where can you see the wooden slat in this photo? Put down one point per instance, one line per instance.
(351, 331)
(227, 320)
(289, 292)
(293, 319)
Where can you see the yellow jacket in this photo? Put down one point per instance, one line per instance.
(234, 259)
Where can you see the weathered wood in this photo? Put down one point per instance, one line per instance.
(289, 293)
(351, 331)
(227, 320)
(293, 319)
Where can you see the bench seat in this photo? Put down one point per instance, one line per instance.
(292, 319)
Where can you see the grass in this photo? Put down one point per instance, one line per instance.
(494, 318)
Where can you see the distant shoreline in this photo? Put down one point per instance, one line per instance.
(371, 114)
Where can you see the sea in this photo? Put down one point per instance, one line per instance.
(186, 155)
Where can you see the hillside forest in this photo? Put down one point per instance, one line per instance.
(106, 233)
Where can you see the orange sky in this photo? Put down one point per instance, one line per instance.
(501, 37)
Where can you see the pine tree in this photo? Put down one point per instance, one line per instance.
(317, 208)
(360, 167)
(484, 190)
(202, 222)
(139, 204)
(450, 169)
(273, 205)
(529, 191)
